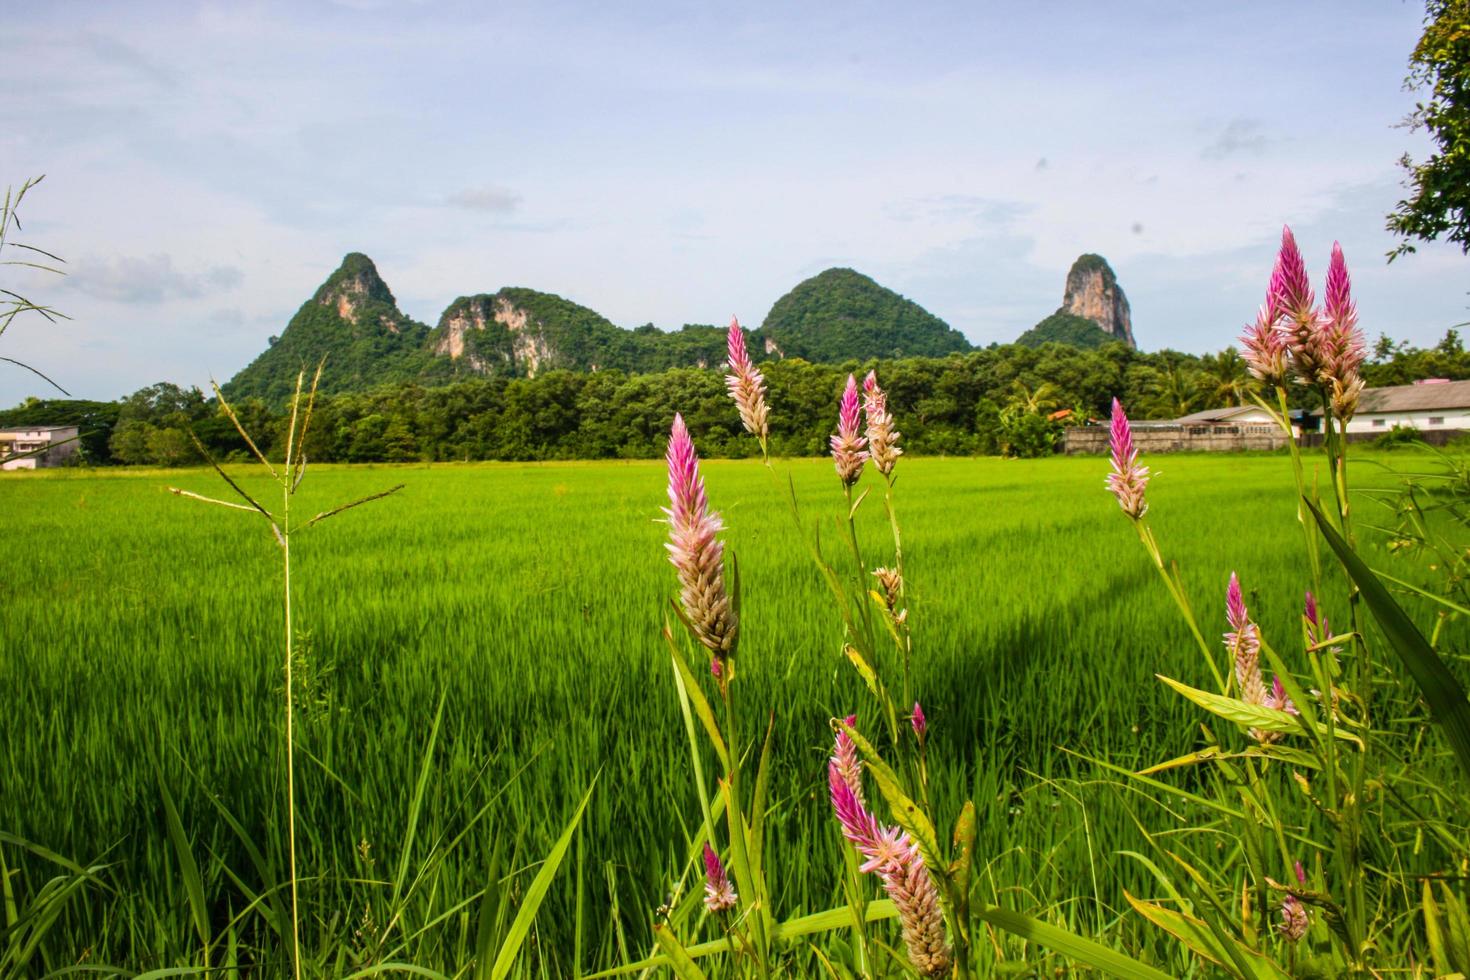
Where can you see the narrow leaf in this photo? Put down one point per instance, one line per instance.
(1442, 692)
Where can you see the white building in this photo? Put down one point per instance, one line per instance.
(1428, 406)
(37, 446)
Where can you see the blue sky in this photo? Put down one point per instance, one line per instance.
(209, 164)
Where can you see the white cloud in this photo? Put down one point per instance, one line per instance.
(496, 200)
(148, 279)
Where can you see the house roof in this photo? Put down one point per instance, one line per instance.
(35, 428)
(1217, 414)
(1415, 398)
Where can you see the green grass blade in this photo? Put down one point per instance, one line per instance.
(1442, 692)
(531, 903)
(679, 959)
(1072, 946)
(188, 867)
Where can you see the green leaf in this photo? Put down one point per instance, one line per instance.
(791, 929)
(690, 686)
(1444, 695)
(1194, 934)
(188, 867)
(679, 959)
(1068, 944)
(531, 902)
(908, 814)
(1249, 715)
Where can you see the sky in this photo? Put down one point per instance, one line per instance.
(208, 164)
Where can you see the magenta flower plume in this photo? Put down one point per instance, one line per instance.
(1244, 645)
(1280, 700)
(1128, 479)
(1294, 919)
(882, 436)
(1290, 294)
(719, 893)
(746, 385)
(888, 852)
(1343, 347)
(1264, 348)
(695, 548)
(1318, 629)
(920, 723)
(847, 445)
(1290, 307)
(849, 765)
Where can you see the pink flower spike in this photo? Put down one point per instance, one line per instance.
(715, 668)
(848, 447)
(695, 548)
(1301, 874)
(1235, 610)
(1128, 479)
(1343, 348)
(1291, 290)
(1244, 645)
(746, 385)
(882, 436)
(1264, 349)
(1294, 919)
(845, 757)
(719, 894)
(1338, 304)
(920, 723)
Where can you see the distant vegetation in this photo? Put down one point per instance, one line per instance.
(1065, 328)
(842, 314)
(991, 401)
(354, 321)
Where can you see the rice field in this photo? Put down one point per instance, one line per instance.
(142, 639)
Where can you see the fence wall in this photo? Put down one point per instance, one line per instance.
(1179, 438)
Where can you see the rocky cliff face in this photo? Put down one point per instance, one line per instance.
(355, 285)
(517, 340)
(1093, 292)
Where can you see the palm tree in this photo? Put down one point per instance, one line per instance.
(1038, 401)
(1226, 379)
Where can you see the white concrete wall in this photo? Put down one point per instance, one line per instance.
(1454, 418)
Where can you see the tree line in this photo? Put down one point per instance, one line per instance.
(1003, 400)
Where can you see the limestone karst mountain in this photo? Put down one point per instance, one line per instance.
(1094, 310)
(354, 321)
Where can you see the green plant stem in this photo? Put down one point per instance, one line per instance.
(290, 728)
(1151, 545)
(903, 591)
(1308, 530)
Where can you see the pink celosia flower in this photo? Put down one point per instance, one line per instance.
(695, 549)
(715, 668)
(1343, 348)
(849, 765)
(719, 893)
(746, 384)
(1264, 348)
(1279, 699)
(1244, 643)
(1290, 294)
(900, 867)
(917, 719)
(1318, 629)
(1128, 479)
(892, 584)
(847, 445)
(1294, 920)
(882, 436)
(1301, 325)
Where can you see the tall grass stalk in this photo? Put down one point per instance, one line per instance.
(289, 478)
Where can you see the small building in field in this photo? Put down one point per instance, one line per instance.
(1213, 430)
(36, 446)
(1435, 405)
